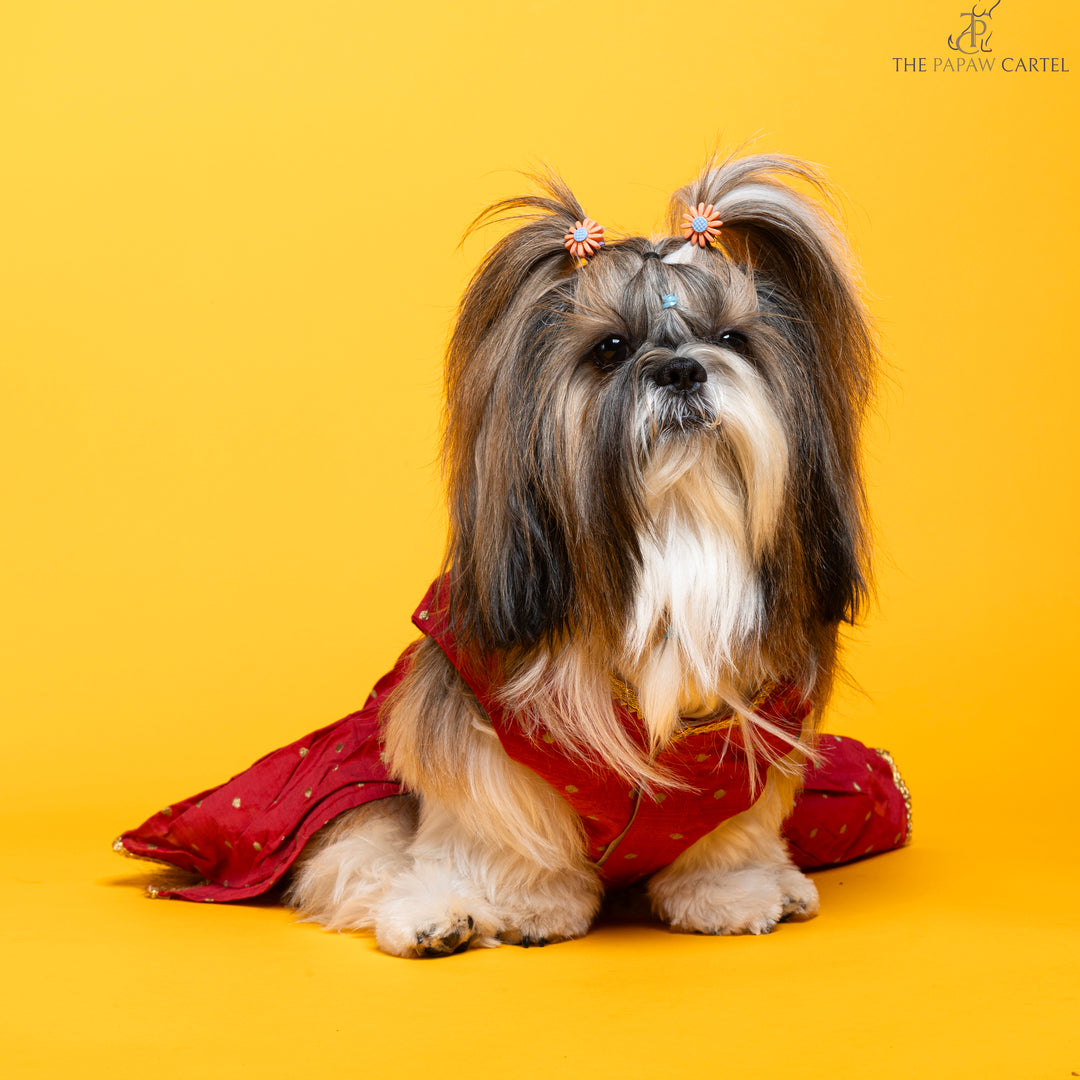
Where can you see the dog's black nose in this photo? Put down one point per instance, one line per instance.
(680, 373)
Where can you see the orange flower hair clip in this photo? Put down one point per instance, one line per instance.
(584, 239)
(701, 226)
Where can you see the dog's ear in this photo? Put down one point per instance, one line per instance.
(508, 552)
(807, 291)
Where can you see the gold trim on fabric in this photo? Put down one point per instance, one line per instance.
(118, 847)
(729, 721)
(622, 692)
(902, 787)
(607, 852)
(728, 718)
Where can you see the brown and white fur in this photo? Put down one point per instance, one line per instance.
(667, 496)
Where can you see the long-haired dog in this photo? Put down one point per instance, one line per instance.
(652, 452)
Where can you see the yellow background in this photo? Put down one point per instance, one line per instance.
(229, 262)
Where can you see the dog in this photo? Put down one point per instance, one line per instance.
(657, 528)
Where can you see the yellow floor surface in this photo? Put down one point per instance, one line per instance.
(946, 959)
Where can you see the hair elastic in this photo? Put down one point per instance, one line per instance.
(670, 301)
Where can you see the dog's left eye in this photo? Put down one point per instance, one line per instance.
(736, 341)
(610, 352)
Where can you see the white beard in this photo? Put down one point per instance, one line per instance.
(713, 508)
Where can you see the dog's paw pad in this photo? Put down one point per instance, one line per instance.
(430, 932)
(800, 897)
(446, 939)
(797, 909)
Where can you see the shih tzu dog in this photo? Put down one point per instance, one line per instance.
(657, 527)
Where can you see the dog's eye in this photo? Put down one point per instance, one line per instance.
(611, 352)
(736, 341)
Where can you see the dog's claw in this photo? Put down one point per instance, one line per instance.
(525, 941)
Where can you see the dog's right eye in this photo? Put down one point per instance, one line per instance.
(610, 352)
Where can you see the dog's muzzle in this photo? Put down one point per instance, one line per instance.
(679, 395)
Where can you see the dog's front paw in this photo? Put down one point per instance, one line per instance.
(452, 935)
(419, 919)
(415, 930)
(539, 932)
(800, 895)
(747, 901)
(558, 908)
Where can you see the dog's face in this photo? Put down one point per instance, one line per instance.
(662, 440)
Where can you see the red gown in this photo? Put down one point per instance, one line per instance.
(242, 836)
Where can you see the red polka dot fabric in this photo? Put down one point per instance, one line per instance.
(242, 836)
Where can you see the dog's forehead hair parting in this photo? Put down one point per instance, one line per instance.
(630, 287)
